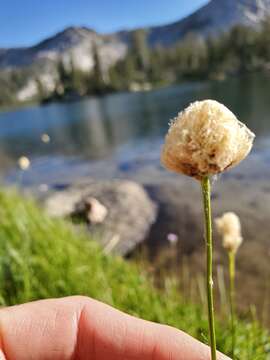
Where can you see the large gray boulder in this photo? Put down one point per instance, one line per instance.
(126, 221)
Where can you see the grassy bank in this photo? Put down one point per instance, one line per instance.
(41, 258)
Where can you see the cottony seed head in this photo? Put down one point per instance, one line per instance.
(229, 226)
(24, 163)
(205, 139)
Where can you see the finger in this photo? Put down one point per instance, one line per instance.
(81, 328)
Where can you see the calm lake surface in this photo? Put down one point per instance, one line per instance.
(118, 134)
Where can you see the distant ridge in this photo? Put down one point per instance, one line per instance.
(215, 17)
(78, 43)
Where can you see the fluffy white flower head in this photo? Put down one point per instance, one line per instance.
(205, 139)
(229, 226)
(45, 138)
(24, 163)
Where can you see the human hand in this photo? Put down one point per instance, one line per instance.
(81, 328)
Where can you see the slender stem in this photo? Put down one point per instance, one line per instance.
(206, 192)
(231, 255)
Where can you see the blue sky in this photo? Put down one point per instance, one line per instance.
(25, 22)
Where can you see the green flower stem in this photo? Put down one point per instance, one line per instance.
(206, 192)
(231, 255)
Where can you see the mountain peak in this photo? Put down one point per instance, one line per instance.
(69, 37)
(215, 17)
(73, 46)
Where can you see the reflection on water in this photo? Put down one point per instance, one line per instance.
(123, 128)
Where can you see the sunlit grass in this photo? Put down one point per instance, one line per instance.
(41, 257)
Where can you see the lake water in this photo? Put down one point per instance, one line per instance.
(116, 134)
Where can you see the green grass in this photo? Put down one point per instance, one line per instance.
(41, 257)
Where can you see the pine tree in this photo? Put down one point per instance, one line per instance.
(97, 80)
